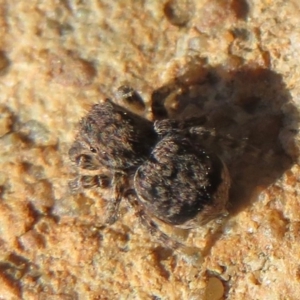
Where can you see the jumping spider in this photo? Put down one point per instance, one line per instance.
(112, 143)
(158, 168)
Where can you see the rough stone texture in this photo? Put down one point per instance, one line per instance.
(237, 62)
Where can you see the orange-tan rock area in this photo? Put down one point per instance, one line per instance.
(234, 62)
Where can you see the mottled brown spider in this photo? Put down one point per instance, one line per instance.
(111, 143)
(161, 171)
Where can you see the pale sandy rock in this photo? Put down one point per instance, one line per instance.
(235, 62)
(8, 290)
(6, 120)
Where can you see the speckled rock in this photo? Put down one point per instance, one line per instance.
(233, 63)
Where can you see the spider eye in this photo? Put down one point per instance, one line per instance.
(93, 150)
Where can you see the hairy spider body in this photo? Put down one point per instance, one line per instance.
(181, 183)
(111, 143)
(156, 167)
(112, 137)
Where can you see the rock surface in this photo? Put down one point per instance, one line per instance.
(236, 62)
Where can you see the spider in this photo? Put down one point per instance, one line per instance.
(110, 144)
(158, 168)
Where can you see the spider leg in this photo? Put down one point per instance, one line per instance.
(118, 183)
(127, 94)
(191, 126)
(150, 225)
(89, 181)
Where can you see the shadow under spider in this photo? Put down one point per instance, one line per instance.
(244, 107)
